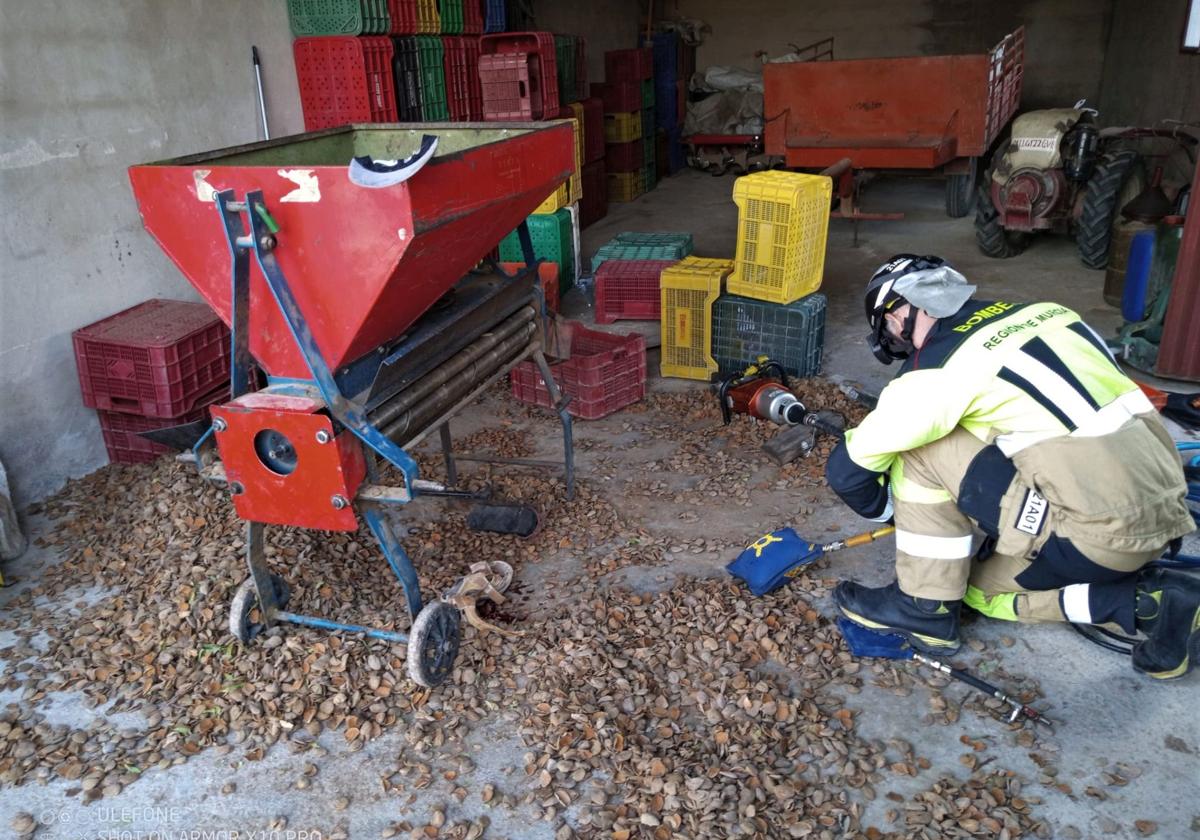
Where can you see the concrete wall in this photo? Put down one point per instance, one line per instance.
(605, 24)
(1065, 39)
(1146, 77)
(87, 89)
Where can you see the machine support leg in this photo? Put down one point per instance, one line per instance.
(397, 558)
(448, 455)
(239, 327)
(256, 559)
(560, 405)
(526, 243)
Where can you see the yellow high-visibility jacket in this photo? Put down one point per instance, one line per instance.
(1037, 382)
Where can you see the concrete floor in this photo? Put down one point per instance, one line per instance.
(1106, 713)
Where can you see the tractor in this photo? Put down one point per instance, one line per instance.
(1058, 172)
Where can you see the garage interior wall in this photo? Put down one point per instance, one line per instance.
(604, 25)
(1064, 48)
(85, 94)
(1146, 77)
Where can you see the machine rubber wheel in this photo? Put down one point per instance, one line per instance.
(245, 601)
(433, 644)
(994, 241)
(961, 191)
(1093, 231)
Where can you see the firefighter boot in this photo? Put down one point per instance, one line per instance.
(1168, 612)
(929, 626)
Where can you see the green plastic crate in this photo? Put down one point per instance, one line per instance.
(433, 78)
(553, 239)
(648, 94)
(325, 17)
(648, 146)
(792, 334)
(683, 240)
(564, 57)
(376, 20)
(451, 12)
(650, 176)
(620, 251)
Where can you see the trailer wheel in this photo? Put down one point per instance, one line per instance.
(994, 241)
(1093, 232)
(961, 192)
(245, 601)
(433, 644)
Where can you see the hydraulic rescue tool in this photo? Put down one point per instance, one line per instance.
(762, 391)
(775, 558)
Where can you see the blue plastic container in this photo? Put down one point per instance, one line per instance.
(1137, 277)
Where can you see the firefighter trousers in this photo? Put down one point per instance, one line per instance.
(968, 527)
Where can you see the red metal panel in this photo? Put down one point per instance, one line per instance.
(363, 263)
(1179, 352)
(305, 497)
(894, 112)
(817, 157)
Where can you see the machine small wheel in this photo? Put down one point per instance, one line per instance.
(433, 644)
(245, 601)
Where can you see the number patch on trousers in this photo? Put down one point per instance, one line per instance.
(1033, 513)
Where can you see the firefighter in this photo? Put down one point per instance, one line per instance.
(1026, 475)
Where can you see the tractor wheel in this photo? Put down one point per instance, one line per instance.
(1093, 232)
(994, 241)
(961, 191)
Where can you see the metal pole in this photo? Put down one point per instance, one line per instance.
(262, 102)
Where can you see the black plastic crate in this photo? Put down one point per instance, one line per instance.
(792, 334)
(407, 69)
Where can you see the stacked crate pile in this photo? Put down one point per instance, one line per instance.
(159, 364)
(628, 96)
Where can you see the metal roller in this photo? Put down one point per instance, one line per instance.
(454, 381)
(521, 321)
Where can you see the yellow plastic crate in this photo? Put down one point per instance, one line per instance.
(429, 22)
(783, 221)
(575, 183)
(689, 288)
(621, 128)
(625, 186)
(557, 200)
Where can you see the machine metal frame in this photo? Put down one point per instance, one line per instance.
(433, 640)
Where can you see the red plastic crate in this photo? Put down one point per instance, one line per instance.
(157, 359)
(404, 16)
(593, 130)
(462, 78)
(474, 87)
(629, 290)
(619, 97)
(543, 71)
(604, 374)
(624, 157)
(331, 73)
(594, 205)
(506, 88)
(122, 436)
(629, 65)
(473, 17)
(548, 274)
(378, 52)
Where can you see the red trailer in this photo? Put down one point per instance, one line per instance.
(930, 113)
